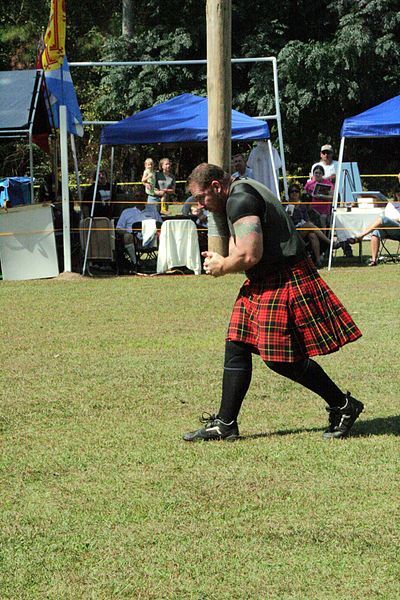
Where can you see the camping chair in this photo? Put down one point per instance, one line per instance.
(392, 234)
(101, 257)
(146, 250)
(386, 254)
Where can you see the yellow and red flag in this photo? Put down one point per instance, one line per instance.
(54, 39)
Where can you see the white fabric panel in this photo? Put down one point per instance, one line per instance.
(178, 246)
(149, 230)
(27, 243)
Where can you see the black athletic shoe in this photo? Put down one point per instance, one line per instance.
(214, 429)
(341, 419)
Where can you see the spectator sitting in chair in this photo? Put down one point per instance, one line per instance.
(322, 203)
(128, 217)
(383, 228)
(303, 217)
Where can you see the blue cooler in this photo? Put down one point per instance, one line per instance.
(19, 190)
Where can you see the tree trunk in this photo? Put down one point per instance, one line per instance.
(127, 18)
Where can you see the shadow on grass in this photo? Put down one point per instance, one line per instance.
(261, 434)
(378, 426)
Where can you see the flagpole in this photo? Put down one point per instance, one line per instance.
(64, 189)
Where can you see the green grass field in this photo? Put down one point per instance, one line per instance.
(101, 499)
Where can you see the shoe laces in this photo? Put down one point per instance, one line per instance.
(208, 418)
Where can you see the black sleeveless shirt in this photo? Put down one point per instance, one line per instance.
(282, 244)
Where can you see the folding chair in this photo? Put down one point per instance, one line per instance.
(101, 256)
(389, 255)
(146, 254)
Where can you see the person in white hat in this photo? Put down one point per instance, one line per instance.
(326, 161)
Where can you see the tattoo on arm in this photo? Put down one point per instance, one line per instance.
(243, 229)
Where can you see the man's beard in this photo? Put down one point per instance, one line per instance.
(219, 204)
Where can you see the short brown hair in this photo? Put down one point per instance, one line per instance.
(204, 174)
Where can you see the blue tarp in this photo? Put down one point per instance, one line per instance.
(18, 90)
(181, 119)
(15, 190)
(380, 121)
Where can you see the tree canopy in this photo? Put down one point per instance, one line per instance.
(335, 59)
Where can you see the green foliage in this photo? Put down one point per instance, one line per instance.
(335, 59)
(140, 87)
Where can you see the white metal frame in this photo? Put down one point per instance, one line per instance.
(335, 198)
(263, 59)
(276, 116)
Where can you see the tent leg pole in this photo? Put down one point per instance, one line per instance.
(75, 157)
(112, 175)
(279, 126)
(64, 189)
(335, 199)
(31, 166)
(271, 156)
(92, 209)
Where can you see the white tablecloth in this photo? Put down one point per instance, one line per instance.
(179, 246)
(350, 224)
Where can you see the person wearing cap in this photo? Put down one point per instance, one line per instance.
(326, 161)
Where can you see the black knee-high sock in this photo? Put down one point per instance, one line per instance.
(236, 380)
(308, 373)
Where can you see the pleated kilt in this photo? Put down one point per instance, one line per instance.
(290, 315)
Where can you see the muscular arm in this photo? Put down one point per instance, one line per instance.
(245, 250)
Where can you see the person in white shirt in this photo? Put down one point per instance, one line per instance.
(326, 161)
(239, 167)
(387, 226)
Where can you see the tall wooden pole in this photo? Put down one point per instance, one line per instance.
(219, 92)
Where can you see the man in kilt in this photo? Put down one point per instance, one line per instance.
(284, 312)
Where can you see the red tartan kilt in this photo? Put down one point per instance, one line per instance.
(290, 315)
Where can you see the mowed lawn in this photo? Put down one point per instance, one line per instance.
(101, 498)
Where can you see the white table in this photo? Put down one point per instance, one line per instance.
(178, 246)
(351, 224)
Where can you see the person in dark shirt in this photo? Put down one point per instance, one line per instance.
(284, 311)
(102, 203)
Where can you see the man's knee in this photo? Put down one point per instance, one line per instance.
(294, 371)
(128, 239)
(237, 356)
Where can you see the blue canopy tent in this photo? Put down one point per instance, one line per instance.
(178, 120)
(23, 110)
(181, 119)
(379, 121)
